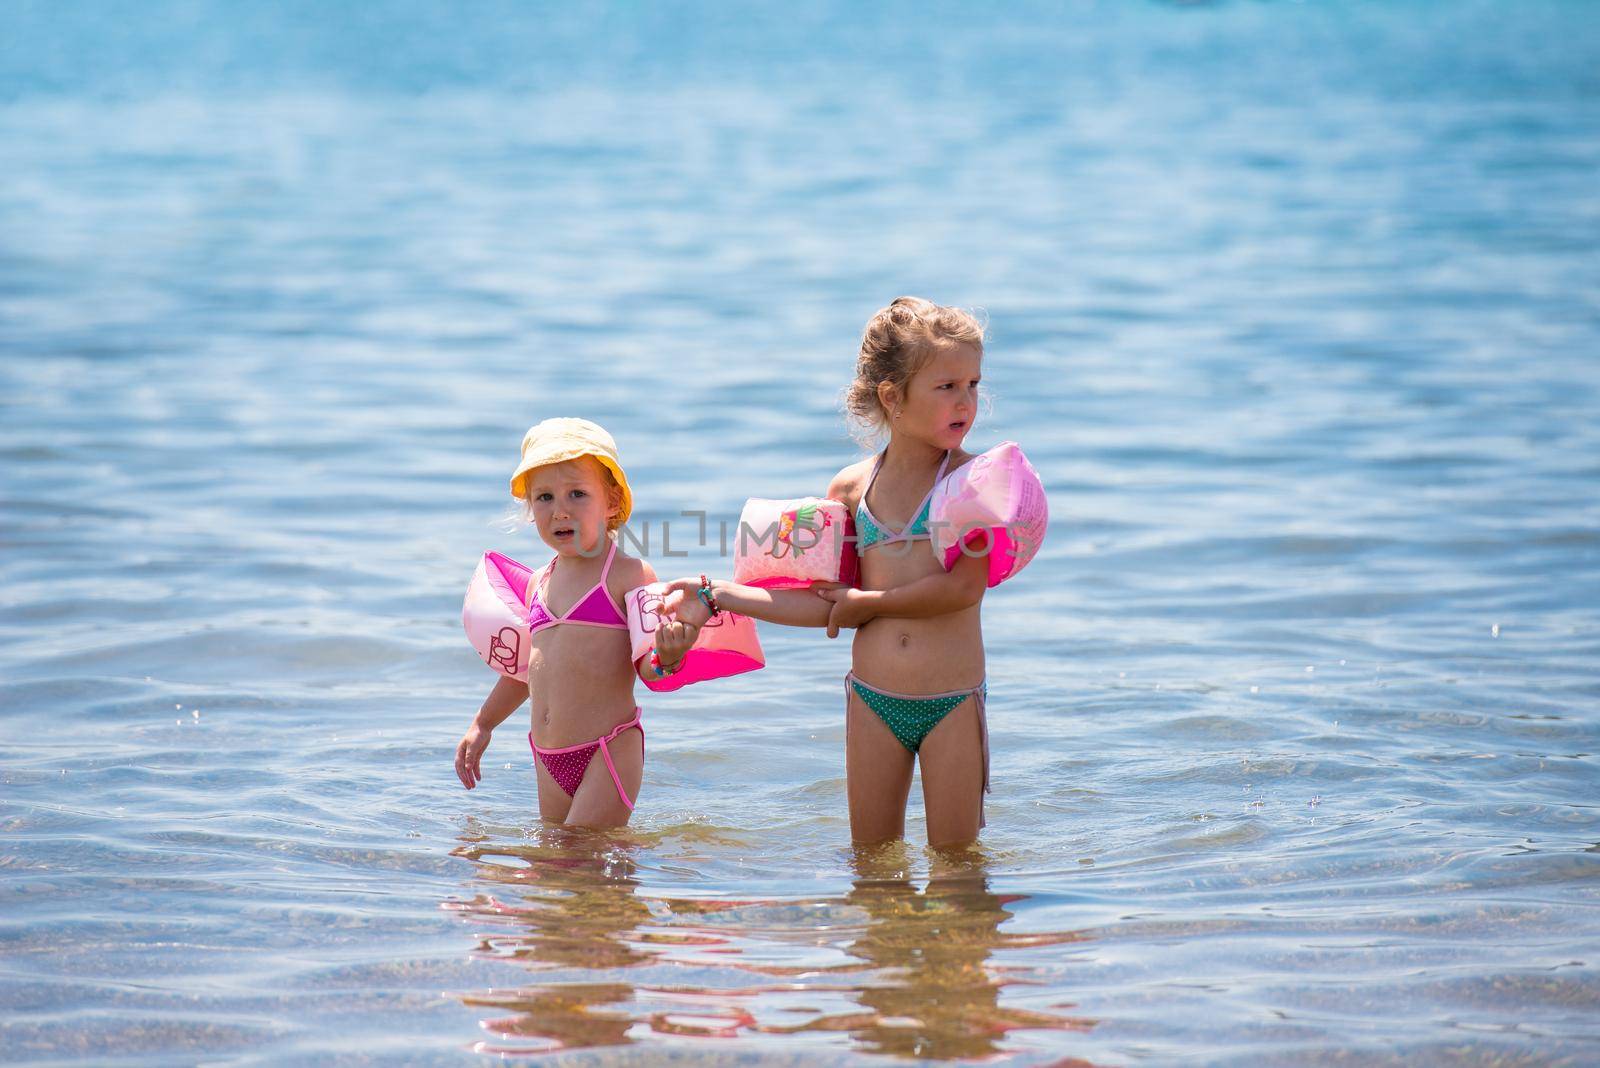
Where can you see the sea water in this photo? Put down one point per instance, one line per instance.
(1295, 308)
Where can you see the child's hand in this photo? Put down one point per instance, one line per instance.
(673, 640)
(682, 601)
(468, 754)
(686, 586)
(851, 608)
(687, 607)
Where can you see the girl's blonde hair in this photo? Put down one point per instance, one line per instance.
(897, 343)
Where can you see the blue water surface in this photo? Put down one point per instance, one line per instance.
(1294, 306)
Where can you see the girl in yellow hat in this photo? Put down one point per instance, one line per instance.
(580, 667)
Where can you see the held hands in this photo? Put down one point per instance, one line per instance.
(851, 608)
(682, 603)
(468, 755)
(673, 641)
(683, 615)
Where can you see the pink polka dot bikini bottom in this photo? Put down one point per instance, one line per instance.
(567, 765)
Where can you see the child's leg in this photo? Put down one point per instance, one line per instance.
(597, 803)
(877, 775)
(553, 800)
(952, 758)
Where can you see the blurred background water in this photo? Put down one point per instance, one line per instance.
(1296, 308)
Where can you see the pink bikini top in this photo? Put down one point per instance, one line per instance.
(593, 609)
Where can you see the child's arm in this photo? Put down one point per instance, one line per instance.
(791, 608)
(506, 697)
(951, 591)
(673, 640)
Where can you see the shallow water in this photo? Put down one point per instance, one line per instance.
(1295, 308)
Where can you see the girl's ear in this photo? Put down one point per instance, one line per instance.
(888, 397)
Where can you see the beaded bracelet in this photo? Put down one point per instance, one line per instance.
(659, 669)
(708, 598)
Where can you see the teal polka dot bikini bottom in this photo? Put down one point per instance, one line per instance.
(911, 717)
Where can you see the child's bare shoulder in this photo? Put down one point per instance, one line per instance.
(959, 459)
(628, 573)
(848, 484)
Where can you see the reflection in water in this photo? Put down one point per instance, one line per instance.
(577, 900)
(937, 996)
(916, 965)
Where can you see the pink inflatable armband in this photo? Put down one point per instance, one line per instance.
(793, 544)
(995, 505)
(495, 616)
(727, 645)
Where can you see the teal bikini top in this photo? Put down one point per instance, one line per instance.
(870, 532)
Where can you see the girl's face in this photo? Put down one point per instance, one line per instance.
(571, 505)
(940, 401)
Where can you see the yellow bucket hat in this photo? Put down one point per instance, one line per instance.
(555, 441)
